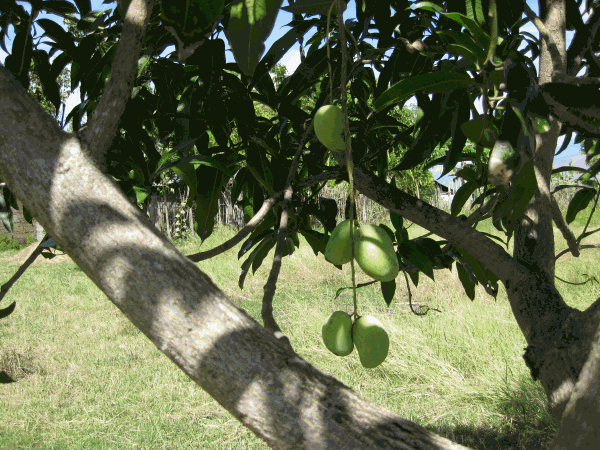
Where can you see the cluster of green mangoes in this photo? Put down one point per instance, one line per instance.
(374, 253)
(373, 250)
(371, 340)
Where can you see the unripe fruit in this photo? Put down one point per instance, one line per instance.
(374, 253)
(339, 246)
(337, 334)
(371, 340)
(329, 127)
(502, 163)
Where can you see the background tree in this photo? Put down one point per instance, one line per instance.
(446, 54)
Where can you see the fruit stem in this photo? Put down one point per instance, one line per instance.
(347, 140)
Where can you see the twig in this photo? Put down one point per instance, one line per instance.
(577, 284)
(420, 313)
(581, 247)
(260, 215)
(561, 224)
(270, 287)
(6, 286)
(248, 228)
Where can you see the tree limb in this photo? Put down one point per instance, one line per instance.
(561, 224)
(580, 424)
(279, 396)
(271, 285)
(100, 132)
(261, 214)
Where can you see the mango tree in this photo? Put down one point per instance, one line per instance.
(446, 54)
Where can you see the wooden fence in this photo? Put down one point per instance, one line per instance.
(166, 212)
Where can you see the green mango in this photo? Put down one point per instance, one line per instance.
(339, 248)
(371, 340)
(502, 164)
(337, 334)
(329, 127)
(480, 131)
(374, 253)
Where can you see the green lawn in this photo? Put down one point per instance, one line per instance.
(88, 379)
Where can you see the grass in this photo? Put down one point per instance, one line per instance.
(88, 379)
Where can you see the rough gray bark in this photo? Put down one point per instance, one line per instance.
(267, 387)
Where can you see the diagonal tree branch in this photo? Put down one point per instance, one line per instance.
(271, 390)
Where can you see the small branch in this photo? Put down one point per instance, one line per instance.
(561, 224)
(587, 224)
(577, 284)
(271, 284)
(589, 233)
(260, 215)
(425, 308)
(99, 133)
(248, 228)
(6, 286)
(581, 247)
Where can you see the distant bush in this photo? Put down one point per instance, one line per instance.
(6, 243)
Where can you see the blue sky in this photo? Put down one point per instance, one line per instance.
(292, 58)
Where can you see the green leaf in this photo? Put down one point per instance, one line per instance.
(481, 273)
(60, 8)
(388, 289)
(207, 199)
(312, 7)
(396, 220)
(414, 276)
(60, 36)
(27, 215)
(433, 82)
(428, 6)
(579, 202)
(479, 131)
(466, 41)
(472, 26)
(84, 6)
(461, 197)
(316, 240)
(468, 285)
(191, 17)
(524, 187)
(262, 251)
(250, 24)
(412, 252)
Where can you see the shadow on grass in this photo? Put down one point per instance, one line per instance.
(537, 436)
(527, 422)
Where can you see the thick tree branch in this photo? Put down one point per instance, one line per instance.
(491, 254)
(580, 424)
(271, 390)
(98, 135)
